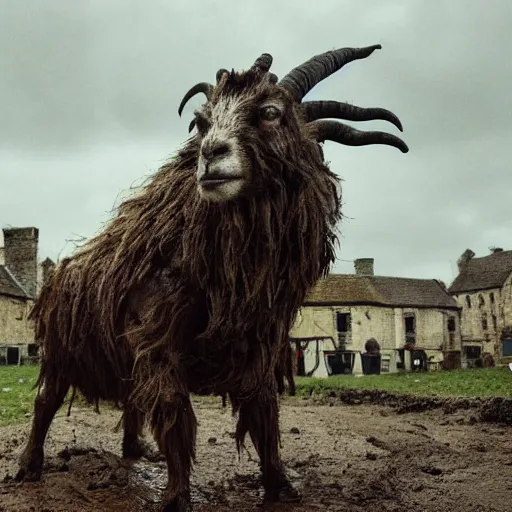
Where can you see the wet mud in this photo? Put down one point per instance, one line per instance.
(351, 451)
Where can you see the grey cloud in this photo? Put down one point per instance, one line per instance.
(90, 90)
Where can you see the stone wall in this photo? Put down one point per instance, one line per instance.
(20, 256)
(385, 324)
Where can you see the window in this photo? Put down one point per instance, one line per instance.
(468, 301)
(491, 297)
(481, 301)
(32, 350)
(484, 322)
(343, 327)
(451, 331)
(494, 322)
(410, 328)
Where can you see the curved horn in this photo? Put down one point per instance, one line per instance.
(263, 62)
(272, 79)
(220, 73)
(344, 134)
(300, 80)
(203, 87)
(191, 125)
(321, 109)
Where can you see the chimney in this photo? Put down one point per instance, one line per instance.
(20, 255)
(47, 268)
(494, 250)
(466, 256)
(364, 266)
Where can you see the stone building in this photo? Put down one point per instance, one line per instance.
(415, 321)
(20, 280)
(483, 289)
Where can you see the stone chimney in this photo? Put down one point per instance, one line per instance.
(47, 268)
(20, 255)
(466, 256)
(364, 266)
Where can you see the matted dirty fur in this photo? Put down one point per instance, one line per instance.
(175, 286)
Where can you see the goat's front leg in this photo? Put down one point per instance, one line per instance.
(174, 426)
(134, 447)
(259, 417)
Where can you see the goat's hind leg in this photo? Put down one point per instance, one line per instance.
(259, 417)
(47, 402)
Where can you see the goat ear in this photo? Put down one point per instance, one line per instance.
(344, 134)
(191, 125)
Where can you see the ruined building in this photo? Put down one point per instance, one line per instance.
(483, 288)
(415, 321)
(20, 280)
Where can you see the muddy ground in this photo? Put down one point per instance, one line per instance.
(344, 453)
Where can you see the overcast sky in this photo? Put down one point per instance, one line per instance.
(89, 94)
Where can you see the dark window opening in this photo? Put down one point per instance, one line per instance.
(481, 301)
(32, 350)
(13, 355)
(491, 297)
(473, 352)
(484, 322)
(410, 328)
(343, 326)
(451, 331)
(468, 301)
(343, 322)
(494, 322)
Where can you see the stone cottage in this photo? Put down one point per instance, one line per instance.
(415, 321)
(483, 289)
(20, 280)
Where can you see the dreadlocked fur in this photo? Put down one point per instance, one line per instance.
(179, 294)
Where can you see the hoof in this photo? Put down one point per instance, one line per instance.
(31, 467)
(285, 493)
(178, 504)
(139, 449)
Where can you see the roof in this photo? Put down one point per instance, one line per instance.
(483, 273)
(9, 285)
(350, 289)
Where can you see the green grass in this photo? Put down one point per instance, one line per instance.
(463, 383)
(19, 400)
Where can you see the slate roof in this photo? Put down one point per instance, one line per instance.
(483, 273)
(351, 289)
(9, 286)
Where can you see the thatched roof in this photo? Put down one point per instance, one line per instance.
(349, 289)
(9, 286)
(483, 273)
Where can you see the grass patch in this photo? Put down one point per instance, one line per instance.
(482, 382)
(19, 399)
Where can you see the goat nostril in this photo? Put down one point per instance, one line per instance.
(219, 150)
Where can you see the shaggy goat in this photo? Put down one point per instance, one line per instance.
(193, 286)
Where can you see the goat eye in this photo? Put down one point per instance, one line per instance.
(269, 113)
(202, 124)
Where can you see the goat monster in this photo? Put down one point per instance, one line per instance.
(193, 286)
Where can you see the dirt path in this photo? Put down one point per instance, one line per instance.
(344, 457)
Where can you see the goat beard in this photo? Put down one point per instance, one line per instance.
(172, 271)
